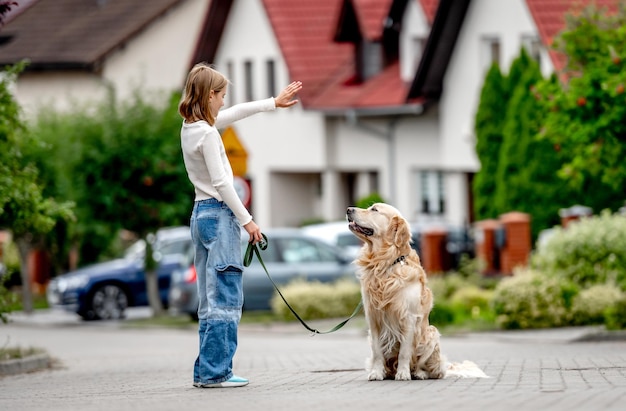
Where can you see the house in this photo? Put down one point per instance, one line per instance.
(390, 86)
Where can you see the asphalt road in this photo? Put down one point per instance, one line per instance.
(108, 366)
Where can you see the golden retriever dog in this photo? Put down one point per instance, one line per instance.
(397, 300)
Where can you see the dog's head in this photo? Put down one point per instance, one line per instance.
(380, 226)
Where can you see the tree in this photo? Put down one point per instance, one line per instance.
(586, 115)
(125, 171)
(23, 208)
(515, 132)
(488, 126)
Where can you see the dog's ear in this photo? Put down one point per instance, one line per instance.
(400, 231)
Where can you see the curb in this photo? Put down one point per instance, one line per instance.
(24, 365)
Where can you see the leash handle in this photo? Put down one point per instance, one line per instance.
(253, 250)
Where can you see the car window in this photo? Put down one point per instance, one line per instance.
(346, 240)
(174, 247)
(299, 250)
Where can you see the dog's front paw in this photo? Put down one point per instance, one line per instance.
(420, 375)
(403, 375)
(376, 375)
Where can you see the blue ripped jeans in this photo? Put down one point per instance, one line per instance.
(216, 235)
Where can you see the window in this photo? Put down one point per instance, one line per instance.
(271, 78)
(230, 73)
(432, 190)
(249, 84)
(533, 46)
(418, 46)
(296, 250)
(491, 51)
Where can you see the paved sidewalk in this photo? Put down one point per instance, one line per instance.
(106, 366)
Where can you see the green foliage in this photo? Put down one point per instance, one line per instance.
(586, 117)
(489, 121)
(316, 300)
(462, 299)
(120, 162)
(526, 178)
(531, 299)
(7, 300)
(590, 305)
(367, 201)
(588, 252)
(615, 316)
(471, 302)
(24, 209)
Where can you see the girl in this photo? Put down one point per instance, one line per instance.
(216, 218)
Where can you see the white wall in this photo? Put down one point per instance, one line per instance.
(509, 21)
(157, 59)
(287, 140)
(414, 25)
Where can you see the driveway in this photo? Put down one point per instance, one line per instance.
(108, 366)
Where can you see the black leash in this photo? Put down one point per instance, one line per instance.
(247, 259)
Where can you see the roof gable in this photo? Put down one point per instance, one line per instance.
(76, 34)
(428, 81)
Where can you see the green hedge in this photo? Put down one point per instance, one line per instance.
(316, 300)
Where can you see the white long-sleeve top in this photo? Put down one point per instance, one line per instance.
(205, 158)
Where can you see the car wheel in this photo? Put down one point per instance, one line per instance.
(108, 302)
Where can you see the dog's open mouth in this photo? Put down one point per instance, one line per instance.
(354, 227)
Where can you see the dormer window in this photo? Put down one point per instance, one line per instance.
(369, 59)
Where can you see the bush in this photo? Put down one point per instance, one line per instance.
(444, 286)
(442, 314)
(589, 306)
(530, 299)
(588, 252)
(316, 300)
(471, 303)
(615, 316)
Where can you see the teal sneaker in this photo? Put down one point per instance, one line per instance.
(232, 382)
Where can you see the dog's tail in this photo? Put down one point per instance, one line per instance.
(465, 369)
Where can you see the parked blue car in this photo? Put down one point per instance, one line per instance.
(103, 291)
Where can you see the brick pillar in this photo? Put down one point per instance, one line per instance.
(575, 212)
(433, 246)
(484, 238)
(517, 244)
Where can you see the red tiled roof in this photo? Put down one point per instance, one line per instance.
(430, 9)
(305, 30)
(76, 33)
(383, 90)
(371, 15)
(550, 18)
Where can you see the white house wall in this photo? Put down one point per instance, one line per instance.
(510, 22)
(414, 26)
(158, 58)
(155, 59)
(285, 141)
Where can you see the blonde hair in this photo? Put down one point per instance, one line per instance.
(194, 105)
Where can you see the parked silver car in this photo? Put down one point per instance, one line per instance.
(290, 254)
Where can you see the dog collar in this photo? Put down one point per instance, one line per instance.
(400, 260)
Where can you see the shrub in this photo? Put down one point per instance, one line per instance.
(471, 302)
(530, 299)
(588, 252)
(316, 300)
(444, 286)
(589, 306)
(442, 314)
(615, 316)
